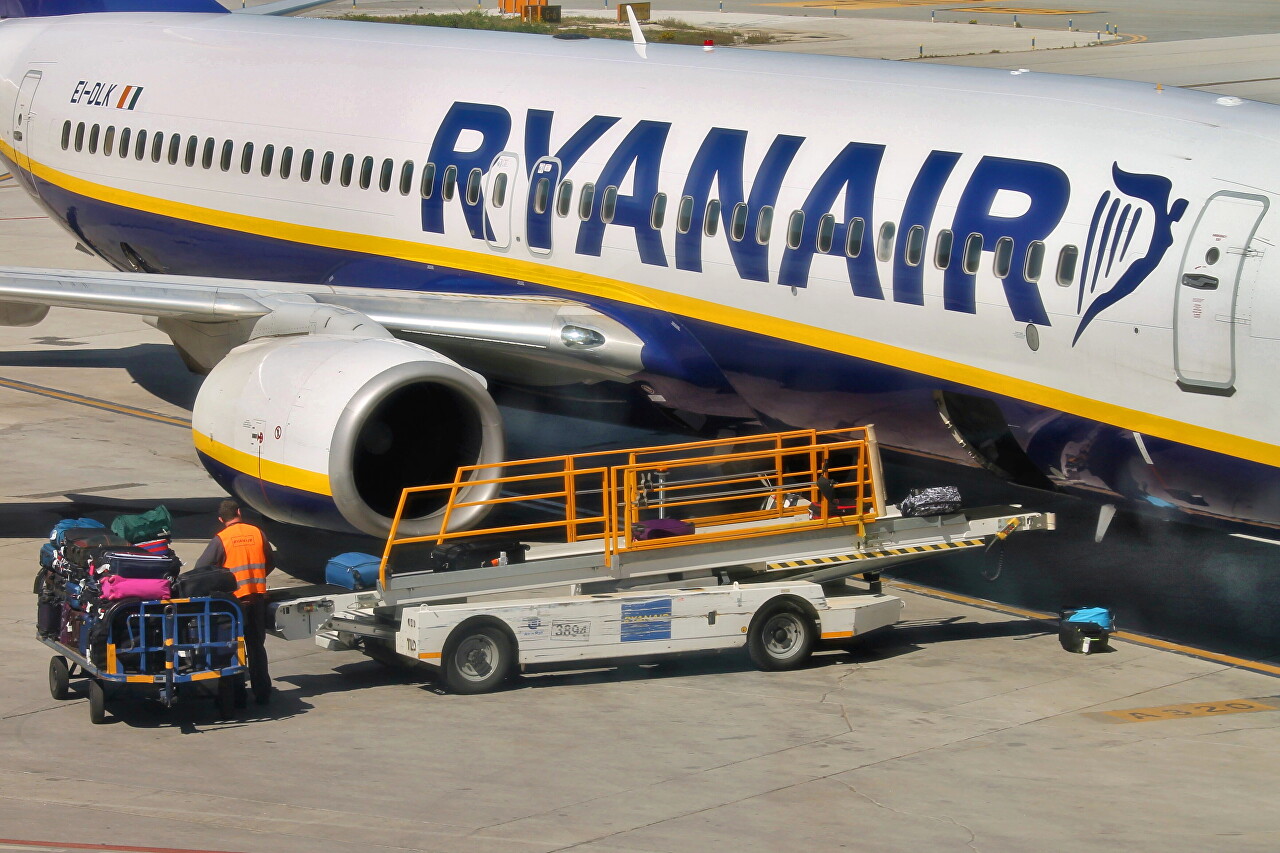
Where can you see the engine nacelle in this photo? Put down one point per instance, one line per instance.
(327, 430)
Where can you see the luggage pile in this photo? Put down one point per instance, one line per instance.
(86, 569)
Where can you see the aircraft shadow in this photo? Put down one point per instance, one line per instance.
(155, 367)
(195, 712)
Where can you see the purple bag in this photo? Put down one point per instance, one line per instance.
(661, 528)
(115, 588)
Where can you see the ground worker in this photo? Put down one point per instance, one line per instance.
(243, 550)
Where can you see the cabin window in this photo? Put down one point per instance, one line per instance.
(738, 222)
(344, 173)
(326, 167)
(125, 134)
(193, 147)
(764, 224)
(448, 182)
(140, 145)
(428, 183)
(93, 139)
(711, 218)
(474, 179)
(972, 253)
(884, 242)
(942, 249)
(587, 201)
(541, 195)
(206, 159)
(175, 148)
(658, 211)
(564, 198)
(268, 159)
(66, 134)
(826, 233)
(228, 153)
(366, 172)
(157, 147)
(795, 229)
(1067, 265)
(1034, 265)
(684, 215)
(608, 204)
(384, 177)
(500, 189)
(308, 163)
(915, 245)
(80, 136)
(1003, 260)
(286, 161)
(109, 141)
(406, 177)
(853, 237)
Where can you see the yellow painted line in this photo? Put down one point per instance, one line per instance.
(1015, 10)
(601, 287)
(1138, 639)
(850, 4)
(429, 656)
(836, 635)
(93, 402)
(264, 469)
(1190, 709)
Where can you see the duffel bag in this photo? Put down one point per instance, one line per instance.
(939, 500)
(134, 562)
(115, 588)
(661, 528)
(202, 582)
(473, 555)
(353, 570)
(58, 536)
(152, 524)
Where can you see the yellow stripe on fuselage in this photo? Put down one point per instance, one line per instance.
(264, 469)
(691, 307)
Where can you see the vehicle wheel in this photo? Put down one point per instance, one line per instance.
(226, 697)
(97, 701)
(59, 677)
(477, 660)
(781, 638)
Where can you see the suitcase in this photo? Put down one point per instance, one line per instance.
(1085, 630)
(115, 588)
(48, 615)
(135, 562)
(47, 555)
(473, 555)
(70, 622)
(202, 582)
(82, 547)
(661, 528)
(353, 570)
(58, 535)
(155, 546)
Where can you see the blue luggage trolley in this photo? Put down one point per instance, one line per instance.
(158, 647)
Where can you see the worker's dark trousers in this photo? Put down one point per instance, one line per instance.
(255, 633)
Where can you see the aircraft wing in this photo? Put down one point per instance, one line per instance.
(535, 340)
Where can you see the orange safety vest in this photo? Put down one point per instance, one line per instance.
(246, 558)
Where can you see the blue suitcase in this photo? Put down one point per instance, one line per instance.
(353, 570)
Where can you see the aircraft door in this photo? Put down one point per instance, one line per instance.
(540, 211)
(1204, 311)
(22, 117)
(499, 194)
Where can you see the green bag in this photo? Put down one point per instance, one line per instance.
(152, 524)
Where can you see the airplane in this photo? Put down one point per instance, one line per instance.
(357, 230)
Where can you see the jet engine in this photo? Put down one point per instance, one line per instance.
(327, 430)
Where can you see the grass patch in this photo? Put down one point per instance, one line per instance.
(668, 31)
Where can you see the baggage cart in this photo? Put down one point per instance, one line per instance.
(163, 647)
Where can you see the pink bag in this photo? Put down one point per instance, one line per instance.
(115, 588)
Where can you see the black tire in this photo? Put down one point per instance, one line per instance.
(477, 659)
(226, 697)
(781, 637)
(59, 677)
(97, 702)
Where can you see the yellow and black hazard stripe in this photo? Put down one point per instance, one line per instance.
(817, 562)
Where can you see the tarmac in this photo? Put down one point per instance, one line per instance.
(966, 727)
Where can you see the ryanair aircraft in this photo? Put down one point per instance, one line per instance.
(354, 228)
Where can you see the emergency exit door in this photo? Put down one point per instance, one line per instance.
(499, 194)
(1204, 311)
(21, 127)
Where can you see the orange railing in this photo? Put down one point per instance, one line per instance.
(726, 488)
